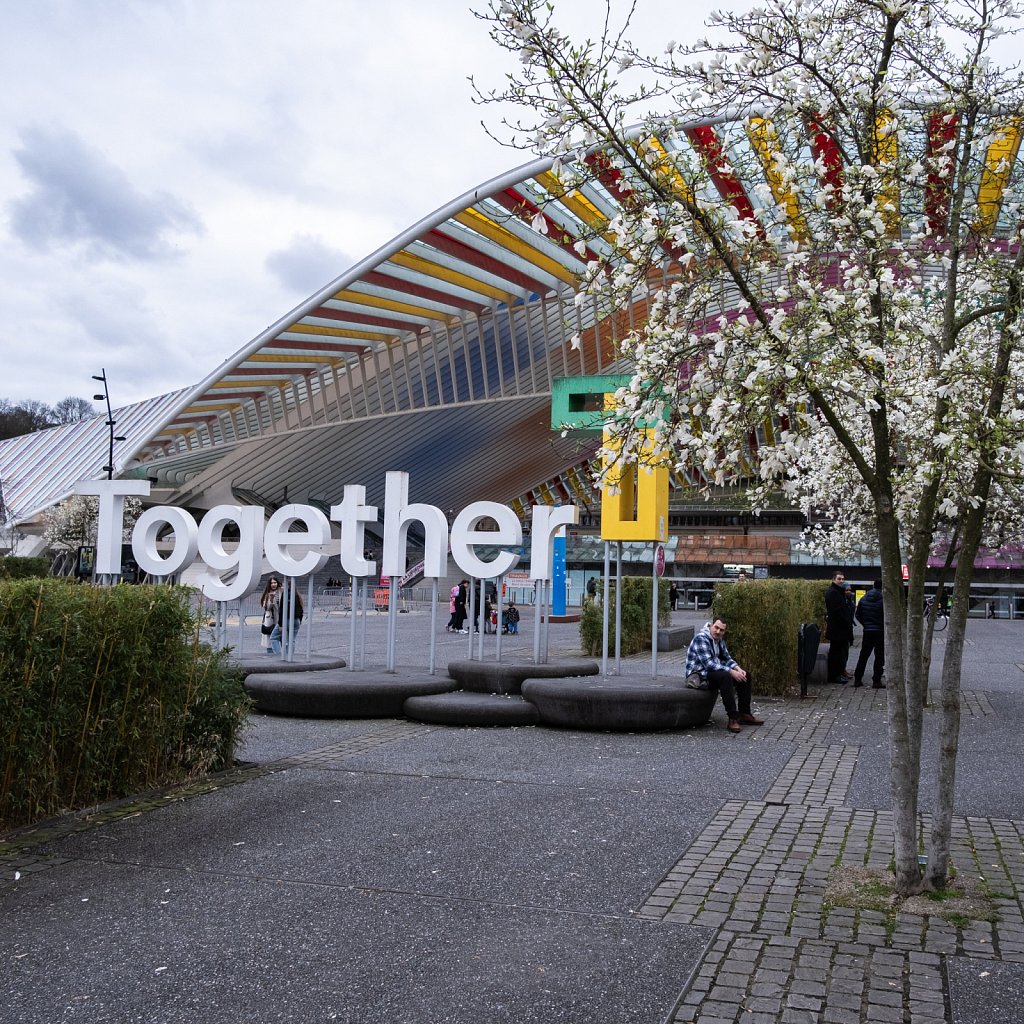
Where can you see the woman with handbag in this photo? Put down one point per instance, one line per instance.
(270, 602)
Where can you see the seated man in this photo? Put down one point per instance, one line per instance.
(710, 666)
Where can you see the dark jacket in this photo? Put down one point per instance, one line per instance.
(870, 613)
(838, 614)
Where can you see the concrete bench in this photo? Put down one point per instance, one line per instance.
(674, 638)
(339, 693)
(619, 704)
(467, 708)
(508, 676)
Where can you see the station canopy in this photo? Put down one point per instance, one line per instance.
(434, 355)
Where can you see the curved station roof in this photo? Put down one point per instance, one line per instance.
(435, 355)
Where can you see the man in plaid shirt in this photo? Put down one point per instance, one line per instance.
(709, 665)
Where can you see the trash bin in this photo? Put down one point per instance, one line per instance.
(808, 641)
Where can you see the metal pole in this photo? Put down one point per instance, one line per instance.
(433, 625)
(288, 633)
(618, 608)
(392, 620)
(352, 626)
(604, 610)
(654, 610)
(497, 627)
(481, 621)
(547, 617)
(538, 591)
(471, 619)
(362, 623)
(309, 616)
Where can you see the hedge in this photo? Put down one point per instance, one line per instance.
(636, 617)
(17, 567)
(764, 618)
(106, 692)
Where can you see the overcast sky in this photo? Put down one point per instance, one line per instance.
(175, 175)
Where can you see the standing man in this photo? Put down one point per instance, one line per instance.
(591, 590)
(839, 623)
(870, 615)
(709, 666)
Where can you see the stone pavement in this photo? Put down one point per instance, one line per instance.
(390, 871)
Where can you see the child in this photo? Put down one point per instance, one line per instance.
(452, 626)
(513, 617)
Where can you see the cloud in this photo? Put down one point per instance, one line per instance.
(307, 264)
(78, 197)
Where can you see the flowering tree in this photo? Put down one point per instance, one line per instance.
(75, 520)
(822, 206)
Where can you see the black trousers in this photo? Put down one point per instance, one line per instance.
(873, 641)
(838, 653)
(719, 679)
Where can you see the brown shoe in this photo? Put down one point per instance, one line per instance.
(749, 719)
(733, 726)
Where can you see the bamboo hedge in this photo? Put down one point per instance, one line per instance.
(636, 617)
(764, 618)
(106, 692)
(15, 567)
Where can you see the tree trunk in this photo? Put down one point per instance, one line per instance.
(940, 839)
(903, 744)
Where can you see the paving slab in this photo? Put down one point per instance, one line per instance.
(93, 942)
(983, 992)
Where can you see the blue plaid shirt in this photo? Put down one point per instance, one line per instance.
(706, 653)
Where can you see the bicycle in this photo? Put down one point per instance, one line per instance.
(940, 613)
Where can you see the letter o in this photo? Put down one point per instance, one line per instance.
(144, 538)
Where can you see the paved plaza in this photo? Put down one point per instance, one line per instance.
(388, 871)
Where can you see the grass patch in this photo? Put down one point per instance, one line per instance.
(965, 899)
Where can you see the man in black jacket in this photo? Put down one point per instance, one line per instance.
(839, 624)
(870, 615)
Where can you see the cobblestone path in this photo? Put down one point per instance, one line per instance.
(758, 875)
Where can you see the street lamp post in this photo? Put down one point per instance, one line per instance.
(111, 423)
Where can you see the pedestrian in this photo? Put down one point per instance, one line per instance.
(513, 618)
(296, 620)
(839, 629)
(709, 666)
(870, 614)
(270, 602)
(591, 590)
(453, 620)
(673, 595)
(461, 597)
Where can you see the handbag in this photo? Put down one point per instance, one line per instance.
(268, 623)
(696, 682)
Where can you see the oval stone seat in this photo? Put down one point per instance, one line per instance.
(463, 707)
(267, 664)
(340, 694)
(605, 703)
(508, 676)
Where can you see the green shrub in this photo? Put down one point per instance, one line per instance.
(636, 616)
(105, 692)
(14, 567)
(764, 618)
